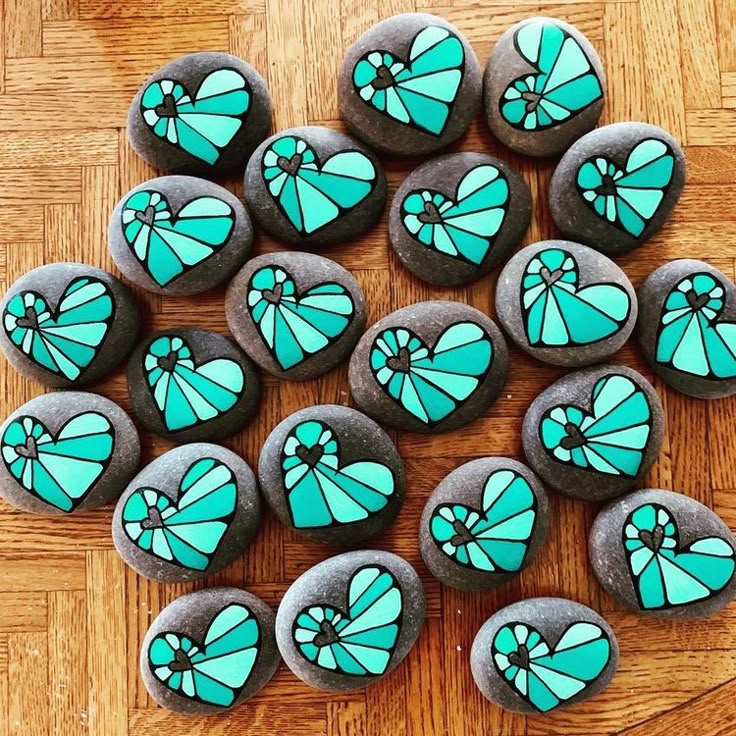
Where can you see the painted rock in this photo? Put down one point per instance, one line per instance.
(483, 523)
(314, 186)
(209, 651)
(594, 433)
(458, 216)
(410, 85)
(616, 186)
(565, 303)
(332, 474)
(350, 620)
(687, 328)
(192, 385)
(541, 654)
(543, 87)
(187, 514)
(297, 315)
(664, 553)
(179, 235)
(68, 324)
(202, 113)
(429, 367)
(66, 452)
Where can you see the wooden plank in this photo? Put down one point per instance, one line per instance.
(23, 28)
(28, 713)
(711, 127)
(23, 612)
(699, 42)
(89, 9)
(40, 186)
(25, 149)
(39, 574)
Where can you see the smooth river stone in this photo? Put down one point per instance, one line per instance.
(594, 433)
(616, 186)
(97, 311)
(380, 596)
(664, 553)
(458, 216)
(429, 367)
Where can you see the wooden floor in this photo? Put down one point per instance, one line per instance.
(72, 615)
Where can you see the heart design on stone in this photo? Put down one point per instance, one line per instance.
(168, 245)
(463, 228)
(666, 574)
(361, 639)
(323, 492)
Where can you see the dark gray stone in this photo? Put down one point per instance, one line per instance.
(93, 473)
(323, 594)
(216, 490)
(279, 274)
(457, 513)
(615, 148)
(384, 52)
(329, 448)
(600, 319)
(670, 294)
(552, 618)
(419, 328)
(635, 532)
(339, 206)
(217, 361)
(186, 623)
(31, 307)
(197, 209)
(434, 193)
(576, 458)
(226, 149)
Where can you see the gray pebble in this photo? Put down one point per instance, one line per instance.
(686, 328)
(594, 433)
(458, 216)
(429, 367)
(374, 598)
(393, 60)
(332, 474)
(530, 103)
(664, 553)
(314, 186)
(192, 385)
(187, 514)
(565, 304)
(483, 523)
(297, 315)
(616, 186)
(179, 235)
(179, 656)
(99, 318)
(574, 649)
(66, 452)
(202, 113)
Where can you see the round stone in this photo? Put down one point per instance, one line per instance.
(202, 113)
(97, 313)
(332, 474)
(543, 87)
(458, 216)
(179, 235)
(687, 310)
(565, 304)
(192, 385)
(541, 654)
(314, 186)
(297, 315)
(429, 367)
(483, 523)
(187, 514)
(616, 186)
(377, 595)
(209, 651)
(664, 553)
(410, 85)
(66, 452)
(594, 433)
